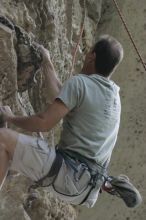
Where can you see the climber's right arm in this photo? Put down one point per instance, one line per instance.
(41, 122)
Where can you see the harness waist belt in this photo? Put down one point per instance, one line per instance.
(93, 166)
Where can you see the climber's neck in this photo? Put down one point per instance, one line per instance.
(88, 70)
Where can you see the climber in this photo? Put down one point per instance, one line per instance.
(76, 169)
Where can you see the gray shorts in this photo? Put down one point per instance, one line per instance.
(32, 157)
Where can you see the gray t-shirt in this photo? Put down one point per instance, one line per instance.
(91, 126)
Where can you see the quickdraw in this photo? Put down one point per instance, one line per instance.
(28, 62)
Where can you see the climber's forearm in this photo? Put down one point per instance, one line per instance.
(41, 122)
(53, 84)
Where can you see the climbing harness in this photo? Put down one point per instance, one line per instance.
(129, 33)
(81, 177)
(85, 179)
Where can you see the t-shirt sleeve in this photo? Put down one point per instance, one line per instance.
(70, 93)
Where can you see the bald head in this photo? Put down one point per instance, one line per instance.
(109, 53)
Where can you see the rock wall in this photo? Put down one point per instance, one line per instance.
(55, 24)
(129, 155)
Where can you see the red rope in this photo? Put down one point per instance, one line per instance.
(79, 39)
(129, 34)
(126, 28)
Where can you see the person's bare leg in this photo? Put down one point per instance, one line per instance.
(8, 140)
(53, 83)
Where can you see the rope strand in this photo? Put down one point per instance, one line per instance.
(79, 39)
(129, 33)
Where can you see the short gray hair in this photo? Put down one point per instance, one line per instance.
(109, 53)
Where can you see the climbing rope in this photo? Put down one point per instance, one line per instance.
(126, 28)
(129, 33)
(83, 4)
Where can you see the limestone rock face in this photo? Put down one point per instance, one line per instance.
(56, 25)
